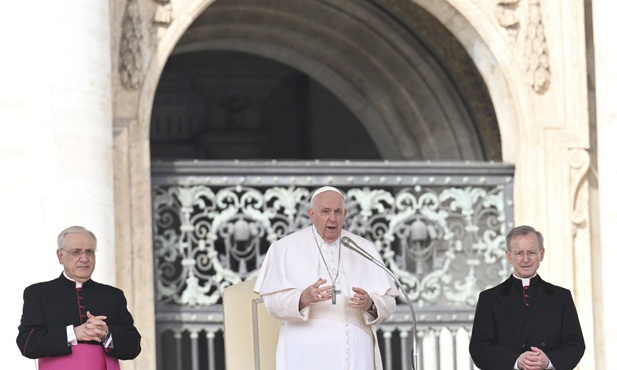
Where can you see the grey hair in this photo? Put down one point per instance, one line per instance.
(74, 230)
(523, 230)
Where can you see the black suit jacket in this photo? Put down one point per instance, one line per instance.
(50, 306)
(503, 329)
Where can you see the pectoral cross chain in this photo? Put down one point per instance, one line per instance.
(334, 293)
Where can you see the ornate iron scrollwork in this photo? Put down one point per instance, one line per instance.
(444, 241)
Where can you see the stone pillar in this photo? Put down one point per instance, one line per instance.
(605, 241)
(55, 146)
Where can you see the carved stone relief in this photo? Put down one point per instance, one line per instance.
(579, 161)
(536, 62)
(131, 58)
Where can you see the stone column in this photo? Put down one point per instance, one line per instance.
(55, 146)
(605, 241)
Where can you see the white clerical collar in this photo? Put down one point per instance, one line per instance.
(525, 281)
(77, 283)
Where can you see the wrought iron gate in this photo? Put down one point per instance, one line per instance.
(440, 228)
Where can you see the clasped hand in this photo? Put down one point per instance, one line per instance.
(92, 330)
(535, 359)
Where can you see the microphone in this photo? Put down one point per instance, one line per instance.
(347, 242)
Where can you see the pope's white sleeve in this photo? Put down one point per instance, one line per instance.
(284, 305)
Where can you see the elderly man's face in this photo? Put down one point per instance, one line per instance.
(327, 214)
(525, 255)
(78, 256)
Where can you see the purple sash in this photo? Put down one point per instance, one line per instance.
(84, 357)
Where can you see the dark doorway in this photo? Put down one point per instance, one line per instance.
(230, 105)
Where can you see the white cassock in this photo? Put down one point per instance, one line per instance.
(324, 336)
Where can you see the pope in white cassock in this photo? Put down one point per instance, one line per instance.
(329, 298)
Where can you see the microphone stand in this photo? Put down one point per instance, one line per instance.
(353, 246)
(414, 353)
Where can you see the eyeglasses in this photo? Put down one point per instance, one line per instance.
(521, 255)
(78, 252)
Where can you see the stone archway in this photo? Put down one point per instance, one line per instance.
(383, 91)
(381, 64)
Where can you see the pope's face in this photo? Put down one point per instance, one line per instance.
(525, 255)
(327, 214)
(77, 256)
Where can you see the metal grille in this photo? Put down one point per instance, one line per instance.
(440, 228)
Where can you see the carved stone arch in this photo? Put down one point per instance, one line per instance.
(407, 92)
(497, 62)
(370, 89)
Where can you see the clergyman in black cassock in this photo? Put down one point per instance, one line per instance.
(60, 314)
(515, 331)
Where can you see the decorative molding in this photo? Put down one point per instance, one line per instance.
(131, 59)
(121, 125)
(459, 65)
(579, 162)
(163, 15)
(507, 17)
(537, 64)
